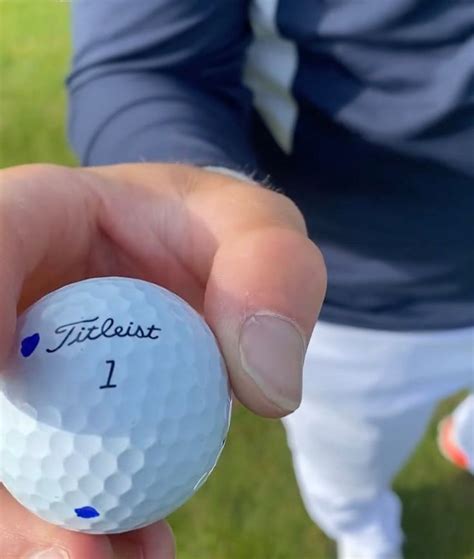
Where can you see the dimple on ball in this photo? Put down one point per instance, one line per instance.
(114, 406)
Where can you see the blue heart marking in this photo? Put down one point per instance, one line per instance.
(29, 344)
(86, 512)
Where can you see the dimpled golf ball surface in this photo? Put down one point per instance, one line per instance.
(114, 406)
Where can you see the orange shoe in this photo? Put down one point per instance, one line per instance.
(448, 446)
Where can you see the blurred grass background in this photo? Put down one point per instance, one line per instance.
(250, 508)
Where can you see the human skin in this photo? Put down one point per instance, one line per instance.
(236, 251)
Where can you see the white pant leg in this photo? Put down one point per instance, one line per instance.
(368, 396)
(463, 424)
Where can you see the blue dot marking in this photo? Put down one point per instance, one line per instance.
(86, 512)
(29, 344)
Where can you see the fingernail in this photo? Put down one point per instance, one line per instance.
(52, 553)
(272, 352)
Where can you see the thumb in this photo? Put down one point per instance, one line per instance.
(264, 293)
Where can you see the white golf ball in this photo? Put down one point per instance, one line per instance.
(114, 406)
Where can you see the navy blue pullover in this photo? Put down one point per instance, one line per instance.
(361, 111)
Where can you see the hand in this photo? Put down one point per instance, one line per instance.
(237, 252)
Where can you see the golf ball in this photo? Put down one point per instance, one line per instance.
(114, 406)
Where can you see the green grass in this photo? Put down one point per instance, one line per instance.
(250, 509)
(34, 55)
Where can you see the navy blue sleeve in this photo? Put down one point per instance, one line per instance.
(160, 80)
